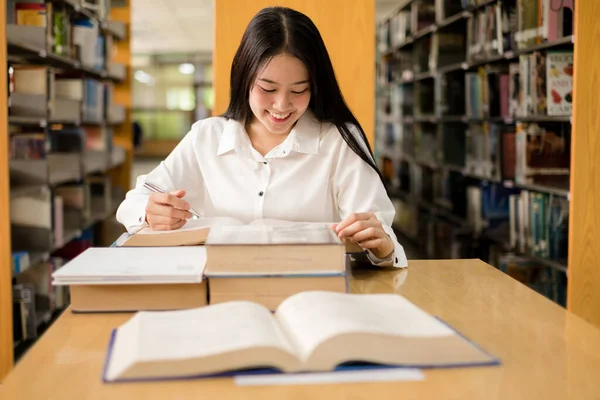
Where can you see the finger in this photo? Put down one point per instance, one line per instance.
(368, 234)
(372, 243)
(355, 228)
(171, 200)
(167, 211)
(178, 193)
(162, 220)
(170, 226)
(351, 219)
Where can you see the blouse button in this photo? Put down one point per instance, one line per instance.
(261, 193)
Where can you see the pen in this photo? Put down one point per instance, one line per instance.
(153, 188)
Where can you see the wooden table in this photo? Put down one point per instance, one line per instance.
(546, 352)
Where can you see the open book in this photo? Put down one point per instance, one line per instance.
(310, 331)
(195, 232)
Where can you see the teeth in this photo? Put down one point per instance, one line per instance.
(280, 116)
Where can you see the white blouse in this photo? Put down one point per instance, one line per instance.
(312, 176)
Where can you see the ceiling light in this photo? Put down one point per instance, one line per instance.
(144, 77)
(186, 68)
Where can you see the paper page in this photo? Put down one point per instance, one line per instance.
(297, 224)
(193, 224)
(310, 318)
(321, 378)
(294, 233)
(207, 331)
(130, 264)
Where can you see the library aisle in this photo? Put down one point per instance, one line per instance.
(474, 132)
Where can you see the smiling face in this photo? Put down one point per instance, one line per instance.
(280, 94)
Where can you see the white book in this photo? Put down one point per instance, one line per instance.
(132, 265)
(309, 331)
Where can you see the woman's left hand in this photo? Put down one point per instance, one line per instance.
(366, 230)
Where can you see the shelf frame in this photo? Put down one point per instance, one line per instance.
(6, 317)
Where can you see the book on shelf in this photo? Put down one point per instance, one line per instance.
(31, 13)
(311, 331)
(539, 225)
(132, 279)
(24, 295)
(545, 280)
(543, 154)
(559, 82)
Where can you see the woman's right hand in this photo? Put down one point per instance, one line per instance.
(167, 211)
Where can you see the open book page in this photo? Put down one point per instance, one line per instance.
(193, 224)
(295, 224)
(351, 247)
(310, 318)
(162, 337)
(256, 233)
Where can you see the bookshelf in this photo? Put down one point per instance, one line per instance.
(474, 133)
(66, 152)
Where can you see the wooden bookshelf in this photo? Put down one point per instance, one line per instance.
(346, 31)
(425, 108)
(108, 167)
(584, 252)
(123, 132)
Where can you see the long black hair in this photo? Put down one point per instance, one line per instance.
(276, 30)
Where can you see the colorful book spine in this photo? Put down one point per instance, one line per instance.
(559, 74)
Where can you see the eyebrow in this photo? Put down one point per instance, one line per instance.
(275, 83)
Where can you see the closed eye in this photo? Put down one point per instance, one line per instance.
(265, 90)
(300, 92)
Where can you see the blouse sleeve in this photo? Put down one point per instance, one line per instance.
(358, 188)
(180, 170)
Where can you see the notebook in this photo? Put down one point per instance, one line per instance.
(310, 331)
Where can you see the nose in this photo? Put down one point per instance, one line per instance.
(282, 101)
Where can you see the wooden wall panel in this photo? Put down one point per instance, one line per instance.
(6, 338)
(584, 229)
(347, 27)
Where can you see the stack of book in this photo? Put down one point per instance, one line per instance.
(210, 261)
(268, 263)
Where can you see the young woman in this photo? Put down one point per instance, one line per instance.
(287, 148)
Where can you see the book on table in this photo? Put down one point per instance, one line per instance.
(268, 263)
(133, 279)
(195, 232)
(310, 331)
(273, 249)
(270, 291)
